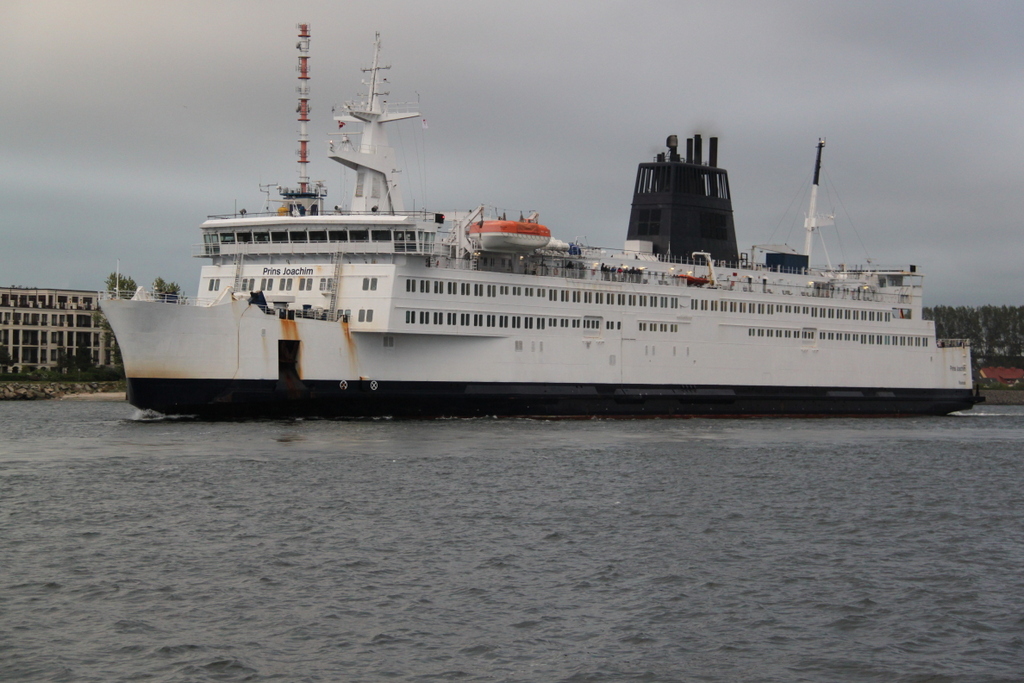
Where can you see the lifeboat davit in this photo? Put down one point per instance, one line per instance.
(510, 235)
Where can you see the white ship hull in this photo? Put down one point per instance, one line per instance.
(226, 359)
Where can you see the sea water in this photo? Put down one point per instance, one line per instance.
(135, 548)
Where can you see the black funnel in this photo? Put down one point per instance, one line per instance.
(684, 206)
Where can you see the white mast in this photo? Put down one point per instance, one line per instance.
(811, 222)
(372, 159)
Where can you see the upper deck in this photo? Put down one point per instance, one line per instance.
(274, 234)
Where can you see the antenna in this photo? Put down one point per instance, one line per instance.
(303, 110)
(811, 223)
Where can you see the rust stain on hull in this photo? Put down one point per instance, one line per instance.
(290, 332)
(350, 346)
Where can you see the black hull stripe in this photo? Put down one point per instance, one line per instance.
(366, 398)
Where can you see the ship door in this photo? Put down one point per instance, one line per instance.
(288, 380)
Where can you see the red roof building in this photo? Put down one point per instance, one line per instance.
(1003, 375)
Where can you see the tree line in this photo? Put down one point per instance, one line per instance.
(125, 284)
(996, 333)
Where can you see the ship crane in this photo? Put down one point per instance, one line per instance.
(815, 220)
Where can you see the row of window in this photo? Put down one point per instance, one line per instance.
(40, 338)
(468, 289)
(552, 294)
(44, 301)
(658, 327)
(514, 322)
(284, 284)
(45, 319)
(876, 339)
(30, 355)
(812, 311)
(308, 236)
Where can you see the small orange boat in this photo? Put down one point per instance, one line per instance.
(692, 281)
(512, 236)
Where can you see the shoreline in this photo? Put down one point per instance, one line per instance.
(98, 396)
(41, 391)
(1002, 397)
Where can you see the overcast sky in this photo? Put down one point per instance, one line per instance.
(124, 124)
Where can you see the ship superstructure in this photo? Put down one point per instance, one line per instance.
(373, 310)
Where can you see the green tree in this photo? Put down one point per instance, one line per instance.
(5, 357)
(124, 283)
(82, 360)
(160, 286)
(996, 333)
(64, 364)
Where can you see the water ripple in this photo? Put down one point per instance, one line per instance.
(133, 547)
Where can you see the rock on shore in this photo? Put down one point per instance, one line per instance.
(35, 391)
(1003, 397)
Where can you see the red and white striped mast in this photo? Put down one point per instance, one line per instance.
(303, 110)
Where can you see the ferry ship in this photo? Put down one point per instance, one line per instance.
(374, 310)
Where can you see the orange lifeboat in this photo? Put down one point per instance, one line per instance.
(692, 281)
(510, 235)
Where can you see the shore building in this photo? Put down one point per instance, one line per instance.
(40, 327)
